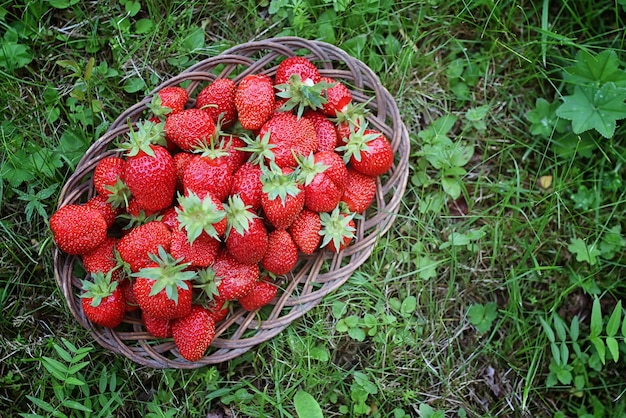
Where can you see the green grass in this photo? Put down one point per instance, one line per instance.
(506, 240)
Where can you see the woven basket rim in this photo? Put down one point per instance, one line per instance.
(316, 276)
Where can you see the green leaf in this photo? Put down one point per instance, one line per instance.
(594, 70)
(559, 327)
(547, 329)
(614, 321)
(143, 26)
(452, 186)
(600, 347)
(134, 84)
(426, 267)
(596, 318)
(574, 328)
(75, 405)
(594, 108)
(306, 405)
(583, 252)
(613, 346)
(475, 114)
(194, 41)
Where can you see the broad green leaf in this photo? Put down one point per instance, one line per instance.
(596, 318)
(41, 403)
(614, 321)
(559, 327)
(583, 252)
(306, 405)
(452, 186)
(547, 329)
(613, 346)
(426, 267)
(143, 26)
(594, 108)
(194, 41)
(564, 353)
(134, 84)
(55, 367)
(75, 405)
(409, 305)
(477, 113)
(596, 69)
(357, 334)
(600, 347)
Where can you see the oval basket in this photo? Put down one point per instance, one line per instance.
(314, 276)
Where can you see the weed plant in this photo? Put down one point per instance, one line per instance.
(498, 291)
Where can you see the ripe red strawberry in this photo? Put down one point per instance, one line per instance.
(180, 162)
(189, 128)
(158, 327)
(163, 289)
(282, 253)
(246, 236)
(103, 301)
(261, 294)
(337, 230)
(307, 71)
(170, 218)
(218, 100)
(282, 197)
(102, 259)
(305, 231)
(204, 175)
(289, 137)
(201, 216)
(247, 185)
(325, 130)
(150, 173)
(134, 247)
(218, 308)
(101, 204)
(233, 279)
(360, 193)
(298, 80)
(369, 152)
(168, 101)
(78, 229)
(137, 214)
(200, 253)
(254, 100)
(127, 288)
(337, 97)
(325, 179)
(194, 333)
(107, 173)
(227, 152)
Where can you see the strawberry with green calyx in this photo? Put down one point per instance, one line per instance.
(360, 193)
(107, 180)
(349, 120)
(218, 308)
(282, 253)
(301, 94)
(233, 279)
(189, 128)
(150, 173)
(325, 178)
(247, 185)
(282, 196)
(167, 101)
(246, 235)
(135, 247)
(368, 151)
(163, 289)
(103, 259)
(78, 229)
(102, 205)
(180, 162)
(337, 96)
(200, 253)
(225, 150)
(199, 215)
(103, 301)
(259, 149)
(263, 292)
(218, 100)
(306, 71)
(305, 231)
(325, 130)
(291, 137)
(194, 333)
(338, 229)
(203, 175)
(254, 100)
(157, 327)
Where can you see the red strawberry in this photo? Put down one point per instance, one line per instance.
(325, 179)
(233, 279)
(201, 216)
(170, 218)
(134, 247)
(127, 288)
(337, 97)
(289, 137)
(138, 215)
(102, 259)
(360, 193)
(180, 162)
(282, 253)
(109, 213)
(200, 253)
(246, 236)
(158, 327)
(150, 173)
(337, 230)
(107, 173)
(168, 101)
(78, 229)
(163, 289)
(325, 130)
(218, 308)
(247, 185)
(103, 301)
(218, 100)
(189, 128)
(261, 294)
(194, 333)
(307, 71)
(349, 121)
(369, 152)
(298, 80)
(282, 197)
(204, 175)
(305, 231)
(227, 152)
(254, 100)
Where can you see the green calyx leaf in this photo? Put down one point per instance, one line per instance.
(336, 227)
(146, 134)
(198, 215)
(101, 287)
(357, 143)
(259, 148)
(277, 184)
(238, 215)
(168, 275)
(309, 168)
(157, 108)
(302, 94)
(119, 194)
(207, 282)
(354, 113)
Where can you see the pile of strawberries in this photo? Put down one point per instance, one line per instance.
(210, 200)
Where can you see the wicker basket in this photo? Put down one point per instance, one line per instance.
(315, 276)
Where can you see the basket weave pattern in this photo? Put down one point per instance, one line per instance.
(314, 276)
